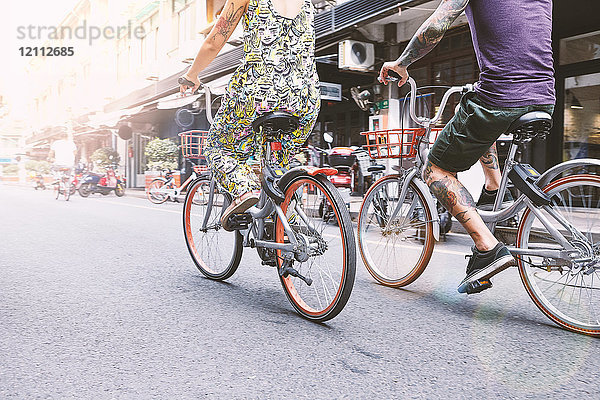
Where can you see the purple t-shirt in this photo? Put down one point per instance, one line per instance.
(513, 44)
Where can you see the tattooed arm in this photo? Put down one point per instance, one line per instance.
(425, 39)
(230, 17)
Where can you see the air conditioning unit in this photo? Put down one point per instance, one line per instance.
(356, 56)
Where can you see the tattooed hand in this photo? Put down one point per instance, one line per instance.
(393, 66)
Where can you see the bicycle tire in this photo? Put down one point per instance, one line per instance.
(381, 258)
(156, 184)
(305, 299)
(207, 248)
(544, 283)
(67, 191)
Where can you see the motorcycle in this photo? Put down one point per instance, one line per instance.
(103, 184)
(342, 159)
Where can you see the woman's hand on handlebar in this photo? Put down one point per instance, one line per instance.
(390, 71)
(186, 82)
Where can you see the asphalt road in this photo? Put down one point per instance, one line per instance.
(100, 299)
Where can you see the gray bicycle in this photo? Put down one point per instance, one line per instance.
(315, 259)
(557, 240)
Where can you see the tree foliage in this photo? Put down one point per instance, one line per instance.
(39, 167)
(105, 157)
(161, 154)
(10, 169)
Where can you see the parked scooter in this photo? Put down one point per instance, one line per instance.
(103, 184)
(39, 182)
(340, 158)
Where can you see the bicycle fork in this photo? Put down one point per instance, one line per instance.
(412, 176)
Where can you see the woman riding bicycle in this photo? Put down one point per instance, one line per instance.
(278, 72)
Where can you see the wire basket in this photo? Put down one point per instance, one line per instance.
(193, 144)
(200, 169)
(396, 143)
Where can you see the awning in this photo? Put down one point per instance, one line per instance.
(110, 119)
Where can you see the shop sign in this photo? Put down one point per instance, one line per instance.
(383, 104)
(6, 160)
(331, 91)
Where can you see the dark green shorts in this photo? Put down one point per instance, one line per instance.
(471, 132)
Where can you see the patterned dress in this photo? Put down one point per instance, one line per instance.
(278, 73)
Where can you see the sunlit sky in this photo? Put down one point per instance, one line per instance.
(14, 13)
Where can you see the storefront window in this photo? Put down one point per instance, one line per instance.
(582, 117)
(580, 48)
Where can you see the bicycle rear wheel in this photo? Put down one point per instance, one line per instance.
(153, 191)
(566, 292)
(215, 251)
(395, 251)
(328, 247)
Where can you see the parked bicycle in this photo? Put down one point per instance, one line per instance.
(558, 238)
(164, 188)
(315, 261)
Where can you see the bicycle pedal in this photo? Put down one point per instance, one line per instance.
(269, 263)
(478, 286)
(240, 221)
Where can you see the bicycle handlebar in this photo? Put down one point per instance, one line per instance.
(207, 96)
(424, 121)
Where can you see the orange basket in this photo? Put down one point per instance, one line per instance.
(193, 144)
(396, 143)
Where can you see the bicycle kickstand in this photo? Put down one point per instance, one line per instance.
(287, 269)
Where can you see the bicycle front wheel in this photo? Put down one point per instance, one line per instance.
(215, 251)
(327, 254)
(395, 236)
(153, 191)
(568, 292)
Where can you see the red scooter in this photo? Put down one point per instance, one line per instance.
(342, 159)
(103, 184)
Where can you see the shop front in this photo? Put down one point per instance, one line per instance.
(577, 55)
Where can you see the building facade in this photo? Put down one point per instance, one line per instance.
(131, 81)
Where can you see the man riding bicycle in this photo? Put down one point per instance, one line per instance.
(512, 41)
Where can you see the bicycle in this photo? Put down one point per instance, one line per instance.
(163, 188)
(557, 247)
(62, 184)
(315, 260)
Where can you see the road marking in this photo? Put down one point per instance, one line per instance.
(438, 250)
(407, 246)
(136, 206)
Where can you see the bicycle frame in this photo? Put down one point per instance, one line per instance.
(176, 191)
(497, 214)
(265, 208)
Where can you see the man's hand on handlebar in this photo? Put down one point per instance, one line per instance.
(390, 71)
(188, 82)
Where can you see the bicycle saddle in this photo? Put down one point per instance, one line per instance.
(530, 125)
(276, 124)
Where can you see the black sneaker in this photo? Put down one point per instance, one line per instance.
(484, 265)
(487, 198)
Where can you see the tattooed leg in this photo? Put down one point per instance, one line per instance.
(491, 168)
(458, 201)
